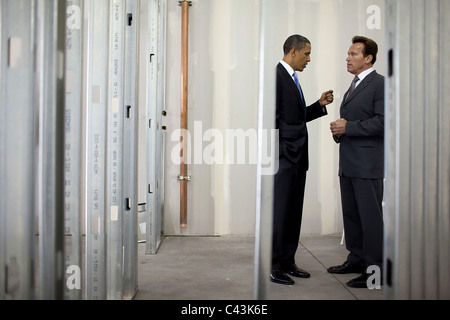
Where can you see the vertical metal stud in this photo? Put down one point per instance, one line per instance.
(152, 17)
(50, 19)
(96, 104)
(431, 165)
(160, 114)
(444, 154)
(18, 148)
(114, 162)
(152, 68)
(130, 236)
(74, 164)
(264, 185)
(393, 142)
(3, 238)
(417, 217)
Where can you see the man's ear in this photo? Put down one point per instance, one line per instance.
(369, 58)
(293, 52)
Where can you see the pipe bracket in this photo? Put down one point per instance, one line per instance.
(181, 1)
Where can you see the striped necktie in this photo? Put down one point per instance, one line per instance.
(352, 87)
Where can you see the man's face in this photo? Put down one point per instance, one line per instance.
(301, 58)
(356, 62)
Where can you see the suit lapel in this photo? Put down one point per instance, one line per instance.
(359, 88)
(291, 83)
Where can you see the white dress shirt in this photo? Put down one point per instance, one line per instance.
(288, 69)
(364, 74)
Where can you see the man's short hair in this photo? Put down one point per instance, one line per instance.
(296, 41)
(370, 47)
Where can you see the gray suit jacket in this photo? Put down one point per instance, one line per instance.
(361, 152)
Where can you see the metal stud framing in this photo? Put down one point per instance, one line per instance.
(153, 18)
(18, 148)
(264, 185)
(111, 217)
(114, 176)
(74, 160)
(50, 88)
(130, 139)
(417, 218)
(69, 105)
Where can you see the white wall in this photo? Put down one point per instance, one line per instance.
(223, 92)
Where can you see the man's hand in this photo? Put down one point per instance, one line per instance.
(338, 127)
(326, 98)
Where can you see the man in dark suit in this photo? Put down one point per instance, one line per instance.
(291, 117)
(360, 133)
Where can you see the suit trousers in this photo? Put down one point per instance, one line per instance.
(363, 220)
(289, 190)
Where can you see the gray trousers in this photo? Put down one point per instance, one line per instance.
(363, 220)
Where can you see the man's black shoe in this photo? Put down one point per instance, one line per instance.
(295, 271)
(346, 268)
(280, 277)
(359, 282)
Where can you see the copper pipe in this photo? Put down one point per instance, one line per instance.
(184, 179)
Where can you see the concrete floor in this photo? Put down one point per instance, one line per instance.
(221, 268)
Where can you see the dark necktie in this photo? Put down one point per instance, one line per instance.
(352, 87)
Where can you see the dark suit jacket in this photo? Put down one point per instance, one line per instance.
(291, 118)
(361, 152)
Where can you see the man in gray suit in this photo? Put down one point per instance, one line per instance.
(360, 133)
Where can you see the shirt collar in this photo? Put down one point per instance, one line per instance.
(288, 68)
(364, 74)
